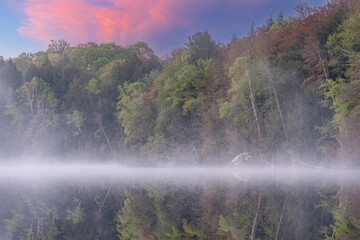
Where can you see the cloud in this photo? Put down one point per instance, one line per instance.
(120, 21)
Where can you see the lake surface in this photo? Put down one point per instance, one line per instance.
(76, 201)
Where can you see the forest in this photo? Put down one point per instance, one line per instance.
(286, 94)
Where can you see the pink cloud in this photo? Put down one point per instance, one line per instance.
(120, 21)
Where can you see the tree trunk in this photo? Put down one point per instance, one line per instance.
(103, 202)
(253, 103)
(339, 195)
(107, 139)
(281, 218)
(276, 97)
(322, 63)
(253, 229)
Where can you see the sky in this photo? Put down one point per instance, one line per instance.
(29, 25)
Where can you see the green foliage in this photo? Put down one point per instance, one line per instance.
(77, 215)
(76, 120)
(239, 222)
(93, 87)
(342, 228)
(11, 108)
(239, 108)
(280, 24)
(34, 110)
(135, 220)
(25, 65)
(342, 93)
(201, 46)
(134, 113)
(91, 56)
(34, 220)
(58, 46)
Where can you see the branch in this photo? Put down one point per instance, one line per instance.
(107, 139)
(281, 217)
(103, 202)
(252, 235)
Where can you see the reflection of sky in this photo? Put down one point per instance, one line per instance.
(28, 25)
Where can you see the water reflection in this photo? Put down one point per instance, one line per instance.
(113, 202)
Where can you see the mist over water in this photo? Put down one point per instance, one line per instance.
(86, 172)
(40, 199)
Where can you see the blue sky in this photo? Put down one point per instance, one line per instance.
(28, 25)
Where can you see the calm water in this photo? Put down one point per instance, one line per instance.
(115, 202)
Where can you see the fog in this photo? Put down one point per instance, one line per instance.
(116, 172)
(109, 201)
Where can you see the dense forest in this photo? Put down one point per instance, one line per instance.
(287, 94)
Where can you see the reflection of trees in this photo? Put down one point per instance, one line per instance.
(208, 210)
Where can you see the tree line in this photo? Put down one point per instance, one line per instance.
(287, 90)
